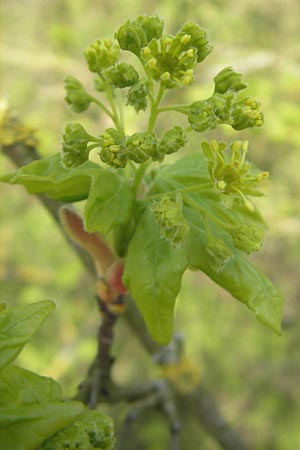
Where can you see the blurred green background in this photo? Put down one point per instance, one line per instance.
(254, 374)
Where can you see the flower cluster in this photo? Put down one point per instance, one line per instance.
(249, 238)
(121, 75)
(117, 148)
(228, 80)
(75, 149)
(136, 34)
(101, 54)
(141, 147)
(113, 149)
(223, 107)
(218, 253)
(77, 98)
(171, 59)
(168, 214)
(91, 430)
(172, 141)
(232, 174)
(219, 109)
(137, 95)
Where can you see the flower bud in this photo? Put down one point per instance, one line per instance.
(228, 80)
(246, 113)
(101, 54)
(137, 95)
(202, 116)
(74, 149)
(198, 39)
(113, 149)
(121, 75)
(136, 34)
(77, 98)
(172, 141)
(141, 147)
(185, 39)
(219, 253)
(249, 238)
(173, 226)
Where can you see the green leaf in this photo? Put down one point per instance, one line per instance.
(31, 409)
(17, 325)
(109, 197)
(153, 272)
(239, 277)
(109, 203)
(49, 176)
(192, 170)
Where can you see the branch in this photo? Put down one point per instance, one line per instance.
(21, 154)
(199, 404)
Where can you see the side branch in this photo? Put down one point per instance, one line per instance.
(199, 404)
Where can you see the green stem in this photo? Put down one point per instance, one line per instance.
(139, 176)
(150, 81)
(183, 109)
(154, 109)
(90, 147)
(102, 106)
(151, 124)
(194, 188)
(115, 116)
(121, 115)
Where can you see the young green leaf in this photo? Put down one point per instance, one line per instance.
(153, 272)
(49, 176)
(32, 409)
(17, 325)
(109, 203)
(239, 277)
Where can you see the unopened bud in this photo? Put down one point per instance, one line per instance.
(146, 52)
(152, 63)
(185, 39)
(165, 76)
(221, 185)
(249, 205)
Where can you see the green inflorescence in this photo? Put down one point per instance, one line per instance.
(90, 431)
(169, 62)
(233, 176)
(168, 214)
(196, 212)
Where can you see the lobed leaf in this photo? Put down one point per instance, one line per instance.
(238, 276)
(49, 176)
(153, 272)
(109, 203)
(109, 198)
(31, 409)
(17, 325)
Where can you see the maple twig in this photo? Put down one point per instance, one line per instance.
(199, 403)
